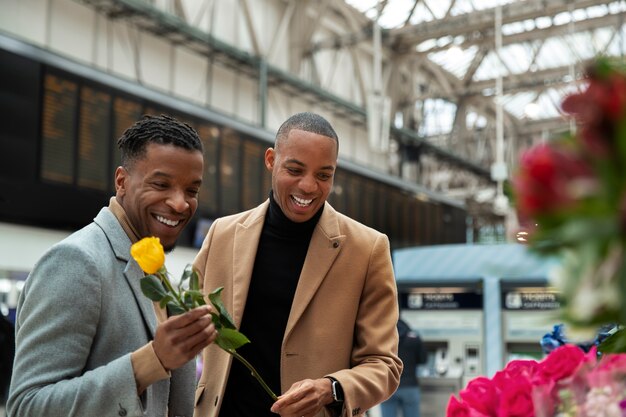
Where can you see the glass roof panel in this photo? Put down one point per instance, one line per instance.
(556, 44)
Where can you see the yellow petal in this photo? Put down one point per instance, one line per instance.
(149, 254)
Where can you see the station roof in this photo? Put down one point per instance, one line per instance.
(463, 263)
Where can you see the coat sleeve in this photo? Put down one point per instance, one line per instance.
(58, 321)
(376, 369)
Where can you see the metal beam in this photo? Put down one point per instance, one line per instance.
(484, 20)
(150, 19)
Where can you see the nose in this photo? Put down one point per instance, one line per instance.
(177, 201)
(308, 184)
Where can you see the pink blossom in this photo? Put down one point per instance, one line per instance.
(457, 408)
(516, 399)
(481, 395)
(561, 363)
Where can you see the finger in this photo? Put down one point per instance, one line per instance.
(190, 316)
(201, 339)
(189, 335)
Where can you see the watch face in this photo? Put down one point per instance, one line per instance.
(334, 386)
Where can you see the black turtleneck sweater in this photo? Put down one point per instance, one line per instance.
(279, 259)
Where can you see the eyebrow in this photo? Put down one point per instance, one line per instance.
(169, 176)
(295, 161)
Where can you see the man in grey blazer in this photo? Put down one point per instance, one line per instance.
(88, 342)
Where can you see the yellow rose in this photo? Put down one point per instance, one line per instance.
(149, 254)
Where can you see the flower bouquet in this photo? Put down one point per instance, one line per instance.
(156, 285)
(571, 195)
(566, 383)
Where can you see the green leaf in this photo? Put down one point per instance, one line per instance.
(165, 300)
(186, 273)
(216, 299)
(174, 309)
(187, 300)
(216, 321)
(194, 283)
(615, 343)
(230, 339)
(197, 298)
(152, 288)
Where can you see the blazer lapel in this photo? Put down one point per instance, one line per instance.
(133, 275)
(246, 242)
(326, 243)
(120, 243)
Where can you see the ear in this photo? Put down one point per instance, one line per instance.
(270, 159)
(120, 181)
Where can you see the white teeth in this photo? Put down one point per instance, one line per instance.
(301, 201)
(163, 220)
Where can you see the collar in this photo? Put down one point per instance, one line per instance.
(119, 213)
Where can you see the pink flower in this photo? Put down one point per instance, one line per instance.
(543, 400)
(457, 408)
(521, 367)
(481, 395)
(514, 370)
(516, 399)
(610, 368)
(561, 363)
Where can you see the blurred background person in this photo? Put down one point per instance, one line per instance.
(407, 396)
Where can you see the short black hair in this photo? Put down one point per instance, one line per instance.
(308, 122)
(163, 130)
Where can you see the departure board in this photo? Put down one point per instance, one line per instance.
(125, 114)
(230, 172)
(253, 167)
(93, 139)
(208, 198)
(60, 99)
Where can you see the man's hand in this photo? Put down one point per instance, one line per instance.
(304, 398)
(180, 338)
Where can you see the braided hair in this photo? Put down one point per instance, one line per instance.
(163, 130)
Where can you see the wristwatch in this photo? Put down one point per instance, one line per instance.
(336, 390)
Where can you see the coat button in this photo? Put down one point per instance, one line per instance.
(335, 245)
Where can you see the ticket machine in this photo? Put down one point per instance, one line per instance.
(467, 304)
(450, 322)
(528, 313)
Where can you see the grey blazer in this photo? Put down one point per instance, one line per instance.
(79, 317)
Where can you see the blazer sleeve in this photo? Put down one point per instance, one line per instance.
(182, 385)
(59, 314)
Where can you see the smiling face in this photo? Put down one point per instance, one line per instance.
(159, 191)
(303, 168)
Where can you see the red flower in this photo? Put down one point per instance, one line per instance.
(548, 180)
(598, 110)
(604, 97)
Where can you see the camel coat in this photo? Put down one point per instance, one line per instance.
(343, 318)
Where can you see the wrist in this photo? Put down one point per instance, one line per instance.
(336, 391)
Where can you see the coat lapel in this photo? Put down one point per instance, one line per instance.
(246, 242)
(326, 243)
